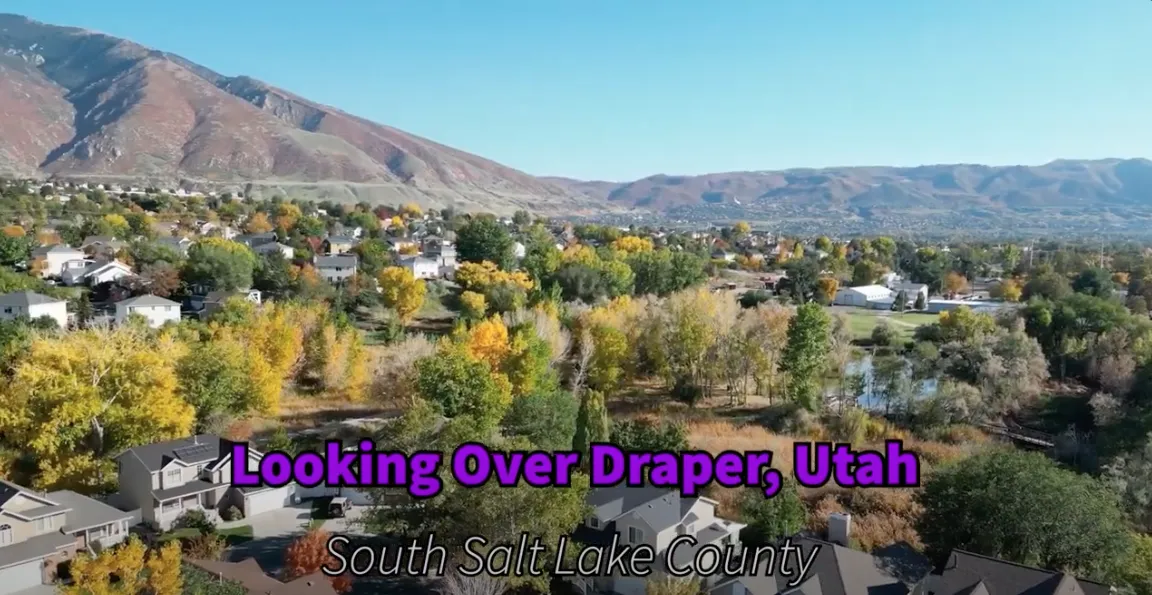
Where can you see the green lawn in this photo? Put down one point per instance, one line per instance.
(232, 534)
(862, 322)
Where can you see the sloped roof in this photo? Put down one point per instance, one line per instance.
(965, 573)
(26, 298)
(836, 570)
(191, 450)
(146, 300)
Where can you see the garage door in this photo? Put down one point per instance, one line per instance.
(261, 502)
(19, 577)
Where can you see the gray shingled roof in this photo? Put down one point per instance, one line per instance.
(147, 300)
(85, 513)
(838, 571)
(968, 572)
(36, 548)
(195, 486)
(658, 507)
(191, 450)
(338, 260)
(26, 298)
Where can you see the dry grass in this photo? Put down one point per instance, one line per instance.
(880, 516)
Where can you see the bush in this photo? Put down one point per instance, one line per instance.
(883, 335)
(687, 393)
(205, 546)
(232, 514)
(195, 519)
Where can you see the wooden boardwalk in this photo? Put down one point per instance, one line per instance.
(1023, 435)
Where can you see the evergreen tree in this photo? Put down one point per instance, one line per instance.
(591, 422)
(920, 302)
(902, 301)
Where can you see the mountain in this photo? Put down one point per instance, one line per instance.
(1106, 195)
(81, 104)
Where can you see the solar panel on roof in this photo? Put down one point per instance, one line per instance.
(188, 452)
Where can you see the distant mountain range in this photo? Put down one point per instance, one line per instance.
(85, 105)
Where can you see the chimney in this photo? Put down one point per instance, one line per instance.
(839, 528)
(195, 438)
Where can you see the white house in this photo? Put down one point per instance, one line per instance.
(862, 296)
(912, 290)
(652, 516)
(27, 304)
(287, 251)
(157, 310)
(52, 259)
(421, 268)
(335, 269)
(96, 273)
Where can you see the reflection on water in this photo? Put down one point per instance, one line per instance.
(870, 398)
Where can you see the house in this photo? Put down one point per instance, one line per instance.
(938, 306)
(31, 305)
(51, 259)
(335, 269)
(864, 296)
(256, 239)
(248, 574)
(652, 516)
(421, 267)
(157, 310)
(338, 244)
(180, 244)
(101, 245)
(165, 479)
(834, 570)
(287, 251)
(95, 273)
(401, 244)
(965, 573)
(40, 531)
(215, 300)
(912, 290)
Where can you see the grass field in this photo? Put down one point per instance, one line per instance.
(862, 321)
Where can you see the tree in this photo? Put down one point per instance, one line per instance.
(805, 353)
(902, 300)
(488, 342)
(826, 289)
(473, 306)
(308, 554)
(921, 303)
(485, 239)
(866, 272)
(72, 401)
(955, 284)
(1052, 286)
(159, 278)
(591, 421)
(1006, 503)
(128, 569)
(214, 379)
(883, 335)
(545, 416)
(1130, 476)
(462, 385)
(609, 353)
(650, 436)
(14, 249)
(258, 223)
(1008, 290)
(402, 291)
(219, 264)
(1095, 282)
(772, 519)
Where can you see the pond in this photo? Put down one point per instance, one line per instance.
(870, 397)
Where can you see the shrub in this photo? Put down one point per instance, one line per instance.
(232, 514)
(205, 546)
(195, 519)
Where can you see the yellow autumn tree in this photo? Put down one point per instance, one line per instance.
(117, 224)
(287, 214)
(580, 254)
(74, 400)
(412, 211)
(258, 223)
(473, 305)
(488, 342)
(632, 244)
(826, 288)
(481, 276)
(127, 569)
(401, 291)
(13, 231)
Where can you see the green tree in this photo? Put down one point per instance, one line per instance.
(1095, 281)
(1052, 286)
(805, 354)
(772, 519)
(461, 385)
(14, 250)
(591, 421)
(219, 264)
(485, 239)
(546, 417)
(214, 379)
(1024, 508)
(649, 435)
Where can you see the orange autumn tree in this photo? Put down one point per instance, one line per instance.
(308, 554)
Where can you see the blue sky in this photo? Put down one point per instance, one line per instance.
(621, 89)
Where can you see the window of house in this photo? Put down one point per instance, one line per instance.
(594, 522)
(44, 524)
(5, 534)
(635, 535)
(172, 476)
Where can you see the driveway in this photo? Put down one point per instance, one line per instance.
(349, 525)
(272, 533)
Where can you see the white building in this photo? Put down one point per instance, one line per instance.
(287, 251)
(52, 259)
(31, 305)
(937, 306)
(862, 295)
(95, 273)
(336, 269)
(912, 290)
(157, 310)
(421, 267)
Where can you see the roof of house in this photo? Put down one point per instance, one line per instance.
(658, 507)
(909, 286)
(415, 260)
(36, 548)
(872, 290)
(26, 298)
(249, 575)
(971, 574)
(55, 249)
(85, 513)
(836, 570)
(191, 450)
(146, 301)
(340, 240)
(336, 260)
